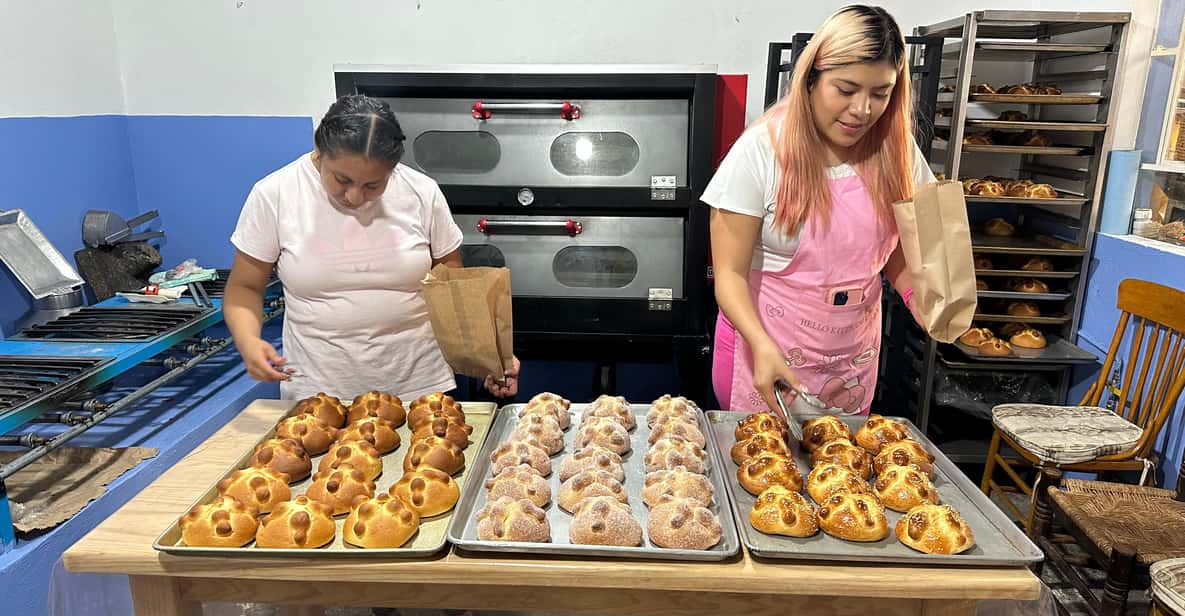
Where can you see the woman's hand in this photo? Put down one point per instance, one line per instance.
(507, 388)
(262, 361)
(769, 367)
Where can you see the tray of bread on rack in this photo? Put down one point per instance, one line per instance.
(862, 490)
(994, 189)
(1023, 288)
(358, 477)
(605, 479)
(991, 267)
(1030, 94)
(1019, 342)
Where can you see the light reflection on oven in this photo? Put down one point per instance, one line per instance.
(595, 267)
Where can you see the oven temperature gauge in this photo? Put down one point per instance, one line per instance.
(526, 196)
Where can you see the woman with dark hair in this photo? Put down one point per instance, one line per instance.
(350, 233)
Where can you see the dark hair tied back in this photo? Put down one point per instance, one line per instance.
(361, 125)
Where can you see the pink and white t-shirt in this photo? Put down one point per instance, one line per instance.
(355, 317)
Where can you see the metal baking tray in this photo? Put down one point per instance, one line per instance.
(428, 541)
(1062, 199)
(998, 542)
(1033, 150)
(1008, 318)
(40, 268)
(1079, 127)
(1057, 350)
(1066, 98)
(1020, 244)
(1016, 273)
(463, 530)
(1053, 296)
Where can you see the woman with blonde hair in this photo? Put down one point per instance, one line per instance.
(802, 225)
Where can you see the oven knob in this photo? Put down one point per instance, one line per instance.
(526, 196)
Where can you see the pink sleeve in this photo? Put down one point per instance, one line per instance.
(257, 233)
(444, 236)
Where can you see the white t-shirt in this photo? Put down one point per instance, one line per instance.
(355, 318)
(747, 183)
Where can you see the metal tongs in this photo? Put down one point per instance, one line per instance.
(795, 423)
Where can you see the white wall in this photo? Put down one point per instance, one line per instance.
(275, 57)
(58, 58)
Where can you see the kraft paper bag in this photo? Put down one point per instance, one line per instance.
(470, 310)
(936, 243)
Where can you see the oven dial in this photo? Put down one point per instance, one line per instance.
(526, 196)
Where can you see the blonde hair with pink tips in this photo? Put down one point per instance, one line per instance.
(882, 158)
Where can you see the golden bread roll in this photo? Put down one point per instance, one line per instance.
(340, 489)
(983, 263)
(987, 189)
(845, 454)
(758, 444)
(1012, 115)
(604, 431)
(672, 406)
(1024, 309)
(1028, 339)
(224, 523)
(779, 511)
(428, 407)
(904, 453)
(541, 430)
(592, 458)
(820, 430)
(879, 431)
(323, 406)
(1020, 88)
(445, 428)
(377, 431)
(981, 285)
(313, 434)
(358, 454)
(380, 522)
(1041, 191)
(1011, 329)
(258, 487)
(377, 404)
(998, 227)
(677, 428)
(507, 519)
(669, 453)
(968, 184)
(853, 517)
(602, 520)
(613, 407)
(556, 409)
(589, 483)
(935, 529)
(284, 455)
(976, 336)
(519, 482)
(982, 88)
(1031, 285)
(677, 482)
(827, 479)
(1034, 139)
(514, 453)
(1050, 90)
(299, 523)
(902, 488)
(682, 524)
(996, 347)
(435, 452)
(428, 490)
(977, 139)
(769, 469)
(761, 423)
(1037, 264)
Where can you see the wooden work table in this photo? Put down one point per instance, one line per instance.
(165, 585)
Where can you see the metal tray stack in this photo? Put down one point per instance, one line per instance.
(463, 530)
(998, 542)
(429, 540)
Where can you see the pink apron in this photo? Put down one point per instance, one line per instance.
(834, 349)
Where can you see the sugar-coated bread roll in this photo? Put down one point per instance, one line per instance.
(853, 517)
(299, 523)
(541, 430)
(323, 406)
(592, 458)
(602, 520)
(548, 398)
(258, 487)
(779, 511)
(380, 522)
(586, 484)
(935, 529)
(377, 404)
(340, 489)
(224, 523)
(677, 428)
(604, 431)
(820, 430)
(445, 428)
(514, 453)
(845, 454)
(435, 452)
(769, 469)
(377, 431)
(828, 479)
(902, 488)
(507, 519)
(428, 490)
(519, 482)
(671, 406)
(669, 453)
(677, 482)
(614, 407)
(879, 431)
(761, 423)
(549, 404)
(357, 454)
(284, 455)
(313, 434)
(756, 445)
(682, 524)
(904, 453)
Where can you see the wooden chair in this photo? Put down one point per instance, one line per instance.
(1058, 436)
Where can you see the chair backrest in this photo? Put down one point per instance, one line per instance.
(1151, 383)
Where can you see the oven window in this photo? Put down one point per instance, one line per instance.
(482, 255)
(594, 153)
(470, 151)
(596, 267)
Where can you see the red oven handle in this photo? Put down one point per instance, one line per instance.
(484, 111)
(563, 227)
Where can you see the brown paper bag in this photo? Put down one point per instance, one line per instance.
(471, 317)
(936, 243)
